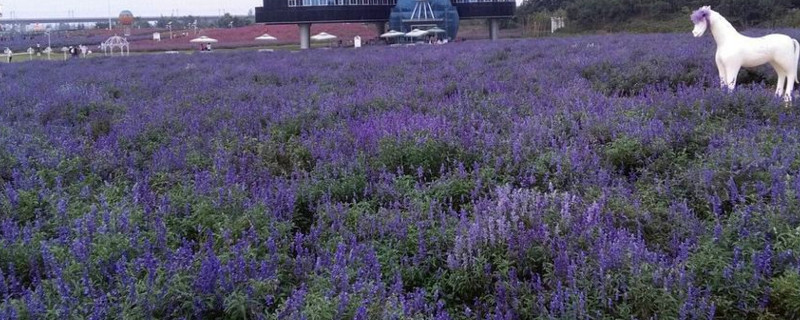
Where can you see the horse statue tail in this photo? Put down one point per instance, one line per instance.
(796, 58)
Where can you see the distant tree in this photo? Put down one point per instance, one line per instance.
(591, 14)
(139, 23)
(656, 9)
(532, 6)
(227, 20)
(162, 22)
(600, 13)
(746, 13)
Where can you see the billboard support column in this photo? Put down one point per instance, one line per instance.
(494, 29)
(305, 35)
(380, 27)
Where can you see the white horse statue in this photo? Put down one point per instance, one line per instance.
(735, 50)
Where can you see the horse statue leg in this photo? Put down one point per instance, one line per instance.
(731, 72)
(721, 70)
(728, 71)
(791, 73)
(785, 64)
(791, 78)
(782, 77)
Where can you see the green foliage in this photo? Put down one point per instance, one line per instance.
(30, 205)
(648, 300)
(785, 294)
(632, 79)
(24, 257)
(7, 162)
(499, 56)
(281, 157)
(454, 191)
(237, 306)
(147, 142)
(627, 154)
(347, 188)
(467, 285)
(430, 156)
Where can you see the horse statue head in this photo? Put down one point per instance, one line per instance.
(702, 20)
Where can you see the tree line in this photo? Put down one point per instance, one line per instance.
(601, 13)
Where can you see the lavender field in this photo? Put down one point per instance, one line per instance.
(597, 177)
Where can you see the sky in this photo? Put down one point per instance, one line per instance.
(100, 8)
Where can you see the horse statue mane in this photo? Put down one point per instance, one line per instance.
(735, 51)
(699, 15)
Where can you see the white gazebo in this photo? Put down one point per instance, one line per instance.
(116, 42)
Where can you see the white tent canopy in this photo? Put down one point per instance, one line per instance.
(266, 37)
(436, 30)
(323, 36)
(203, 39)
(392, 34)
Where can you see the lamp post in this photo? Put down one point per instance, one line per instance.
(109, 14)
(169, 25)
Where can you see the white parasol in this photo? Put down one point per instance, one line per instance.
(266, 37)
(416, 33)
(323, 36)
(203, 39)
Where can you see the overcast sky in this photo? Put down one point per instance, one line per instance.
(100, 8)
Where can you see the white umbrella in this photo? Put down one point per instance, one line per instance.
(322, 36)
(203, 39)
(392, 34)
(266, 37)
(436, 30)
(416, 33)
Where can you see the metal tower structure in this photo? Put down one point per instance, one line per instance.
(423, 11)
